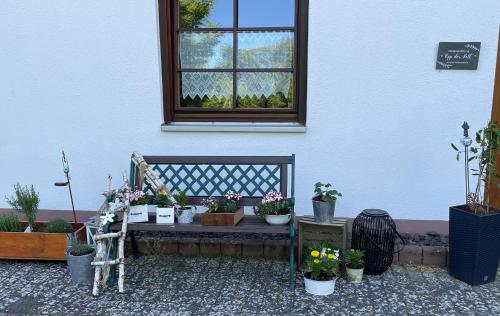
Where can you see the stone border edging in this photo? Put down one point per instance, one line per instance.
(272, 249)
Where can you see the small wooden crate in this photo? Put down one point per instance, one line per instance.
(312, 232)
(222, 219)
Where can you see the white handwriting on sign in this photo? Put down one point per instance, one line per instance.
(458, 56)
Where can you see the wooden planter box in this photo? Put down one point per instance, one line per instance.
(37, 245)
(222, 219)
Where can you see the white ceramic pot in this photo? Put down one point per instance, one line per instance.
(165, 215)
(185, 215)
(354, 275)
(319, 287)
(278, 219)
(138, 214)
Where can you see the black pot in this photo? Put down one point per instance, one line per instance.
(474, 245)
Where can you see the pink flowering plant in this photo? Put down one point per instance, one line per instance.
(231, 200)
(211, 203)
(274, 203)
(138, 197)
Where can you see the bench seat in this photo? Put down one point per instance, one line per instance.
(249, 224)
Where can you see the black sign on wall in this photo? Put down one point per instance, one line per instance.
(458, 55)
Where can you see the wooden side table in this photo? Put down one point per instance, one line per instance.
(312, 232)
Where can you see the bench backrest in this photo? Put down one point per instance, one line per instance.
(204, 176)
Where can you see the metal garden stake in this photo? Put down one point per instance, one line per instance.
(466, 142)
(67, 183)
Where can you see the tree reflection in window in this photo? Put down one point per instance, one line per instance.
(219, 59)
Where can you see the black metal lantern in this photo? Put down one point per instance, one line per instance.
(375, 232)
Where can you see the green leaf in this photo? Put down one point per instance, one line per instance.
(458, 156)
(454, 147)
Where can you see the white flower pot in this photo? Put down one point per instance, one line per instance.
(354, 275)
(320, 287)
(138, 214)
(165, 215)
(278, 219)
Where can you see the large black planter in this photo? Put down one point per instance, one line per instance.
(474, 246)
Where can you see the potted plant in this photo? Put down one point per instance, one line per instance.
(10, 223)
(165, 212)
(321, 269)
(275, 208)
(26, 201)
(222, 213)
(184, 212)
(474, 228)
(324, 202)
(58, 225)
(138, 206)
(80, 257)
(39, 240)
(354, 265)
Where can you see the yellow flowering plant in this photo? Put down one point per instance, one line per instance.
(321, 262)
(162, 199)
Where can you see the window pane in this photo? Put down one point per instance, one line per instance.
(265, 49)
(206, 89)
(205, 13)
(265, 89)
(206, 50)
(260, 13)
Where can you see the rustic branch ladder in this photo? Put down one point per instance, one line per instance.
(204, 176)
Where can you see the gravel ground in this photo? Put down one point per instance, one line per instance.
(221, 286)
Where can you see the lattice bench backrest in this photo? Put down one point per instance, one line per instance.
(204, 176)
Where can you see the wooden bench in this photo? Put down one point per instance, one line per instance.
(204, 176)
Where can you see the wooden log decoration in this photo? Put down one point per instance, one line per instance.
(146, 172)
(104, 240)
(100, 251)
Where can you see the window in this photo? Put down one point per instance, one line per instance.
(234, 60)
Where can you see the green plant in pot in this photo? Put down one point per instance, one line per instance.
(230, 202)
(80, 257)
(26, 201)
(474, 227)
(165, 211)
(58, 225)
(227, 204)
(321, 268)
(138, 206)
(354, 265)
(276, 209)
(10, 223)
(324, 199)
(184, 212)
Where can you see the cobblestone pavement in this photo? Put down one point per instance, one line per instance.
(222, 286)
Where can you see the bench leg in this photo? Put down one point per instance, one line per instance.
(291, 281)
(135, 252)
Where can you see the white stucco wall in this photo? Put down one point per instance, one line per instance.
(85, 76)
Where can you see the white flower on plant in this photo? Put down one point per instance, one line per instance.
(232, 196)
(107, 218)
(323, 252)
(272, 196)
